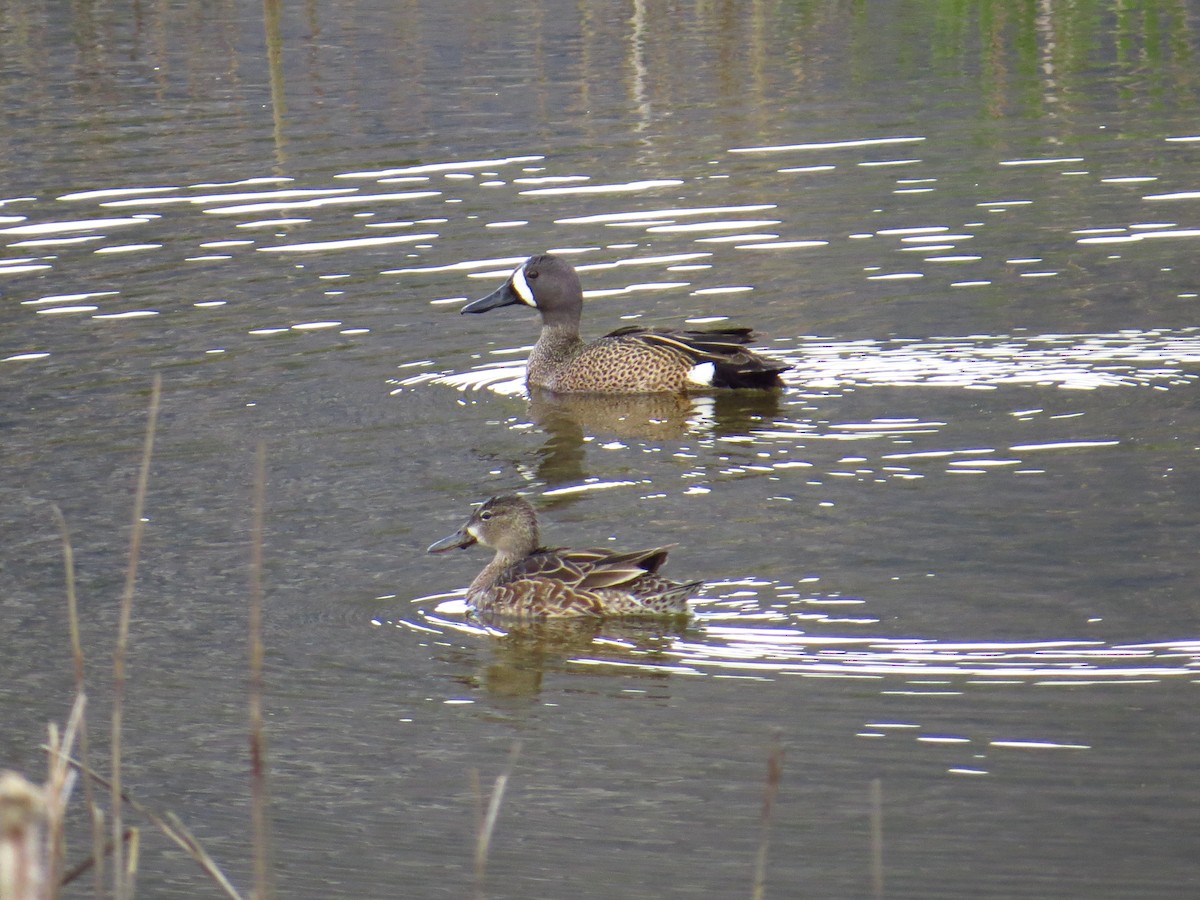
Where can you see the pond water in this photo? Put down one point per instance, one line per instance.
(954, 558)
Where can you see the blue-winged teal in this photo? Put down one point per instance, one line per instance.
(629, 360)
(527, 580)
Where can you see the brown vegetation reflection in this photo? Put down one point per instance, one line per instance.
(296, 72)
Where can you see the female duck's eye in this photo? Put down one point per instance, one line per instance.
(485, 515)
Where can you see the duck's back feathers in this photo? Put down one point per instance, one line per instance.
(561, 581)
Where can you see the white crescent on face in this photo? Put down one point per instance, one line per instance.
(521, 286)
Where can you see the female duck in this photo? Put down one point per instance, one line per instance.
(527, 580)
(629, 360)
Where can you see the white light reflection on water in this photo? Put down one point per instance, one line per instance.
(793, 443)
(346, 244)
(77, 225)
(734, 633)
(786, 651)
(640, 215)
(828, 145)
(7, 269)
(625, 188)
(716, 225)
(128, 314)
(237, 209)
(431, 168)
(1071, 362)
(259, 197)
(504, 378)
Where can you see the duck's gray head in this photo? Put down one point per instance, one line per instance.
(546, 282)
(507, 524)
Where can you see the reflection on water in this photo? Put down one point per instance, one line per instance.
(522, 653)
(704, 277)
(784, 431)
(756, 629)
(1161, 358)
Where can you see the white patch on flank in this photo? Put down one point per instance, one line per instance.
(521, 286)
(702, 374)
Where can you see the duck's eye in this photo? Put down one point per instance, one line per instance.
(485, 515)
(532, 273)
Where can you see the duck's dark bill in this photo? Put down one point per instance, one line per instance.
(502, 296)
(454, 541)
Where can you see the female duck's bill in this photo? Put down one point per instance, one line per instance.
(526, 580)
(630, 360)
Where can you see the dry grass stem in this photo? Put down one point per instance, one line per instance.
(774, 777)
(170, 826)
(89, 864)
(477, 794)
(121, 889)
(131, 861)
(877, 839)
(89, 794)
(487, 825)
(263, 889)
(60, 781)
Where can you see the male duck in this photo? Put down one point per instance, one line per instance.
(527, 580)
(629, 360)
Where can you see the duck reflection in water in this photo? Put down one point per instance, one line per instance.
(523, 652)
(569, 419)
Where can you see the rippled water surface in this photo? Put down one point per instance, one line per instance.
(955, 557)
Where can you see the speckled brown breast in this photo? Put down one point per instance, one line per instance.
(613, 366)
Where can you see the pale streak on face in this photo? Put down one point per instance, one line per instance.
(521, 286)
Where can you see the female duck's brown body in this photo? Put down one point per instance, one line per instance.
(526, 580)
(627, 361)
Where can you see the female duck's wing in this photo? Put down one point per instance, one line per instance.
(613, 569)
(544, 565)
(585, 570)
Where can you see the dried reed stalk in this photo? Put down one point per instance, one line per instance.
(121, 890)
(168, 825)
(876, 839)
(487, 823)
(263, 888)
(89, 863)
(60, 781)
(770, 792)
(95, 814)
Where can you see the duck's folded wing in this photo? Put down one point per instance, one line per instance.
(725, 348)
(545, 565)
(585, 570)
(716, 344)
(609, 569)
